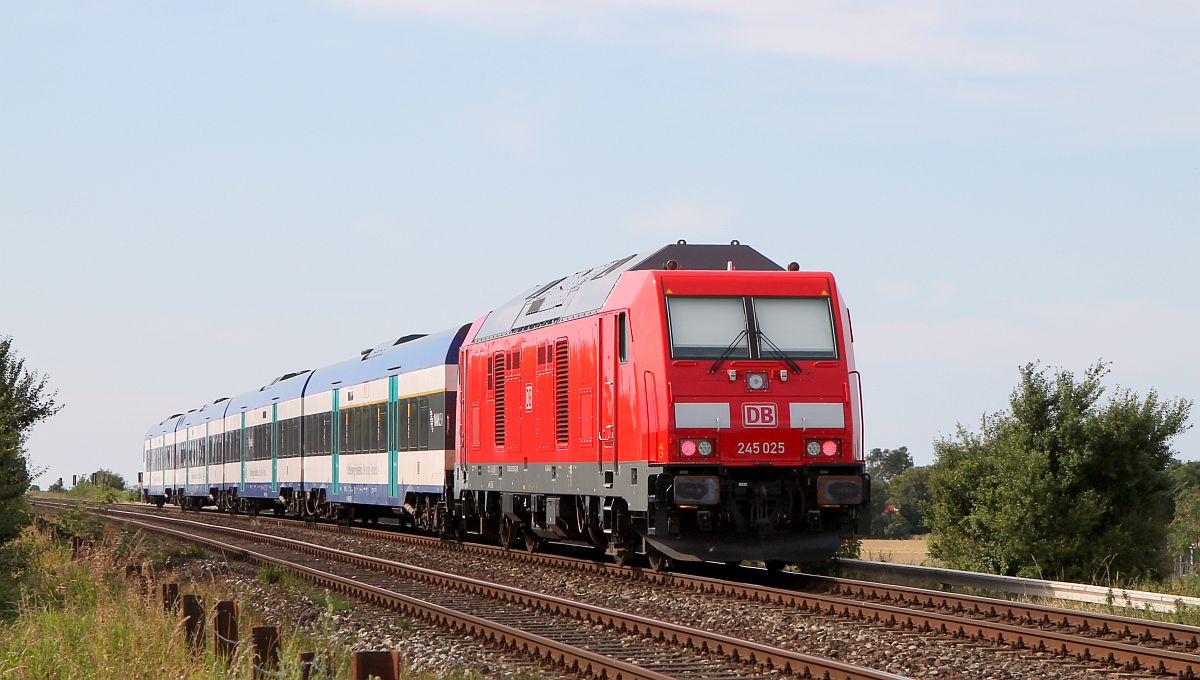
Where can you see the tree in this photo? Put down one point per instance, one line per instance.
(1060, 485)
(1185, 527)
(909, 491)
(1184, 476)
(24, 401)
(883, 465)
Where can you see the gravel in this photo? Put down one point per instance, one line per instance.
(884, 648)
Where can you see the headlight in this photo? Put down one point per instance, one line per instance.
(704, 448)
(813, 448)
(756, 381)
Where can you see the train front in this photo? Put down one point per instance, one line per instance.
(763, 458)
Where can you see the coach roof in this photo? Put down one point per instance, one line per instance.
(285, 387)
(166, 425)
(387, 359)
(206, 413)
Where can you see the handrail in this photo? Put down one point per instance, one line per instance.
(862, 417)
(1017, 585)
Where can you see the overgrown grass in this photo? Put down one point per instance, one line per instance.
(90, 492)
(82, 619)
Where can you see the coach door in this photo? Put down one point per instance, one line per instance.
(608, 396)
(393, 420)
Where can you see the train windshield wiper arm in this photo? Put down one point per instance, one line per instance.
(786, 359)
(728, 351)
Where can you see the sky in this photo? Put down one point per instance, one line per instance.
(198, 197)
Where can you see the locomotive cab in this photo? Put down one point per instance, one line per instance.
(762, 458)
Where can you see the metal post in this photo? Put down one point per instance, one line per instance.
(225, 630)
(265, 643)
(170, 596)
(383, 665)
(193, 621)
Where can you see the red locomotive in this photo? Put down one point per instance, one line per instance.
(698, 404)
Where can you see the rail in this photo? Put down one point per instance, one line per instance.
(907, 574)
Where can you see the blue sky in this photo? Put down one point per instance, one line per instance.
(198, 197)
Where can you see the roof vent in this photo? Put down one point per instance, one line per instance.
(285, 376)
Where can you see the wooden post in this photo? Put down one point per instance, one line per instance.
(383, 665)
(170, 596)
(265, 642)
(193, 619)
(225, 630)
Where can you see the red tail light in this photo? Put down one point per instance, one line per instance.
(827, 448)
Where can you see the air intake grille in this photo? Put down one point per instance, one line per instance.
(561, 394)
(499, 389)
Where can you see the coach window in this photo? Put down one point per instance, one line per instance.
(623, 337)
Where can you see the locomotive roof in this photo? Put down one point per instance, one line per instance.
(584, 292)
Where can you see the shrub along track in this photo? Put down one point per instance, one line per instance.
(1097, 640)
(576, 636)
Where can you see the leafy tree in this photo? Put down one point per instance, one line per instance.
(56, 487)
(1184, 476)
(1059, 485)
(1185, 528)
(24, 402)
(909, 491)
(883, 465)
(105, 478)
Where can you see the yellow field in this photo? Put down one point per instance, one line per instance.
(913, 550)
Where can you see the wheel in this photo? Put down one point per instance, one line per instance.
(532, 541)
(622, 558)
(158, 503)
(279, 511)
(659, 562)
(508, 533)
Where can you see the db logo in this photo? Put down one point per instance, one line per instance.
(759, 415)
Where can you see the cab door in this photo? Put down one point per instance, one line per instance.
(608, 357)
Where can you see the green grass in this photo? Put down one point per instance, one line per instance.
(82, 619)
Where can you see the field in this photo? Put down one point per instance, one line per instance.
(913, 550)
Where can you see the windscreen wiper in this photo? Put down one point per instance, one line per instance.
(728, 351)
(786, 359)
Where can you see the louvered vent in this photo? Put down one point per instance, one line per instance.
(499, 383)
(560, 392)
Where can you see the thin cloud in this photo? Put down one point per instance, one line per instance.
(971, 37)
(691, 218)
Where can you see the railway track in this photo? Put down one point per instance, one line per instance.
(1131, 644)
(580, 637)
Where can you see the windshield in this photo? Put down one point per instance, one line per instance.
(705, 327)
(801, 328)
